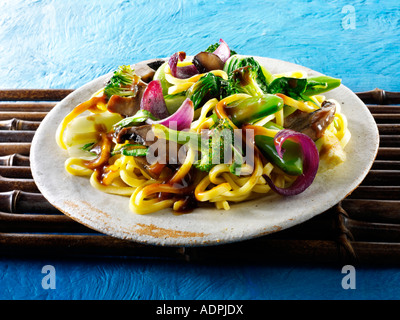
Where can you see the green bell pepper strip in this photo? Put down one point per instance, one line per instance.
(139, 152)
(250, 110)
(320, 84)
(133, 150)
(292, 161)
(139, 117)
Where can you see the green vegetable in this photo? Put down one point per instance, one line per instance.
(138, 152)
(292, 161)
(301, 89)
(140, 117)
(134, 150)
(321, 84)
(236, 62)
(174, 101)
(250, 110)
(87, 147)
(206, 88)
(244, 80)
(121, 82)
(292, 87)
(218, 145)
(160, 75)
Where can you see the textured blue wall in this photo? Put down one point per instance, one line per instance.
(58, 44)
(64, 44)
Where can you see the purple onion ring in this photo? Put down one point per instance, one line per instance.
(310, 162)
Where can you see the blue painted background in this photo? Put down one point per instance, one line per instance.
(64, 44)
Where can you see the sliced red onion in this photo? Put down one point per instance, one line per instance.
(181, 72)
(223, 51)
(153, 100)
(310, 162)
(179, 120)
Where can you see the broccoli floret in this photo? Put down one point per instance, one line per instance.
(219, 144)
(244, 80)
(206, 88)
(121, 83)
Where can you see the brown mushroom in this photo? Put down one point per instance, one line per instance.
(312, 124)
(207, 61)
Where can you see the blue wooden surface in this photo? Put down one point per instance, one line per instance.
(64, 44)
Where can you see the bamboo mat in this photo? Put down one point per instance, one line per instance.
(364, 228)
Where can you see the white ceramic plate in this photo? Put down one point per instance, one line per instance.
(110, 214)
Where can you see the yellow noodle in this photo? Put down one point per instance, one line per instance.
(303, 106)
(178, 88)
(204, 195)
(123, 191)
(205, 109)
(76, 167)
(140, 205)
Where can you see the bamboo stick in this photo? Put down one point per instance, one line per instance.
(9, 148)
(29, 116)
(34, 94)
(27, 107)
(10, 222)
(376, 253)
(86, 245)
(8, 184)
(382, 178)
(16, 124)
(373, 231)
(379, 96)
(389, 128)
(386, 118)
(16, 136)
(376, 193)
(387, 153)
(14, 159)
(16, 172)
(390, 141)
(385, 211)
(17, 201)
(384, 109)
(386, 164)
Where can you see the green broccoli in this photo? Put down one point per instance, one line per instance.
(218, 148)
(121, 83)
